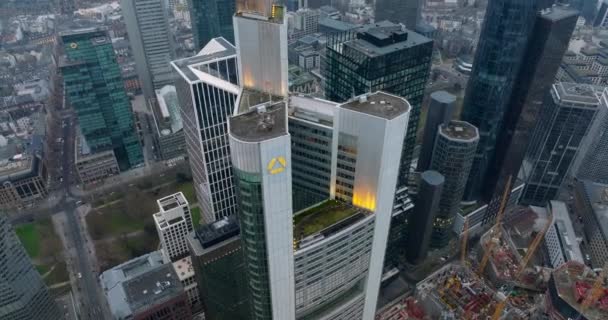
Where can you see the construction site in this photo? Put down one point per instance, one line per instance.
(506, 275)
(455, 292)
(577, 292)
(511, 261)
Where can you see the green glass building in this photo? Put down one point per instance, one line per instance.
(217, 258)
(381, 57)
(94, 88)
(211, 19)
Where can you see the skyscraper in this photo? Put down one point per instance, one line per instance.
(150, 41)
(425, 210)
(341, 152)
(455, 146)
(207, 89)
(260, 149)
(550, 38)
(567, 115)
(211, 19)
(384, 57)
(590, 164)
(504, 36)
(399, 11)
(94, 88)
(24, 294)
(440, 112)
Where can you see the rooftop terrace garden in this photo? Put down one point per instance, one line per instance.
(322, 216)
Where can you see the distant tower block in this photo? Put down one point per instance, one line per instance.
(421, 225)
(441, 108)
(455, 146)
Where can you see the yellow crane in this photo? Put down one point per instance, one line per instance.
(595, 292)
(524, 262)
(496, 228)
(464, 240)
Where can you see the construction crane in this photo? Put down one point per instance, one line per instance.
(595, 292)
(463, 242)
(524, 262)
(496, 228)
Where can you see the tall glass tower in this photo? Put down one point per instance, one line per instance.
(94, 88)
(385, 57)
(211, 19)
(545, 50)
(150, 41)
(567, 114)
(500, 53)
(23, 294)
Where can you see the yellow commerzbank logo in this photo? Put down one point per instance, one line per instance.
(276, 165)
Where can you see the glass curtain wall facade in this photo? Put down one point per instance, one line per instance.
(211, 19)
(502, 43)
(207, 89)
(95, 89)
(253, 235)
(311, 158)
(399, 66)
(453, 154)
(23, 294)
(544, 53)
(567, 114)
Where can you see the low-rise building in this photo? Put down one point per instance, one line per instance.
(185, 272)
(145, 288)
(23, 172)
(591, 203)
(93, 167)
(560, 239)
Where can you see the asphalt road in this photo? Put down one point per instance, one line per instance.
(89, 294)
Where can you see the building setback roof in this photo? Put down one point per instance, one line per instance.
(378, 104)
(266, 121)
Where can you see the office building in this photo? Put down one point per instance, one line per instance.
(93, 167)
(150, 41)
(217, 259)
(24, 294)
(168, 125)
(305, 22)
(211, 19)
(385, 57)
(344, 284)
(185, 273)
(145, 288)
(601, 18)
(455, 147)
(591, 203)
(173, 223)
(399, 11)
(23, 169)
(590, 163)
(560, 239)
(499, 54)
(207, 88)
(440, 110)
(94, 88)
(546, 47)
(260, 151)
(311, 123)
(425, 209)
(567, 115)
